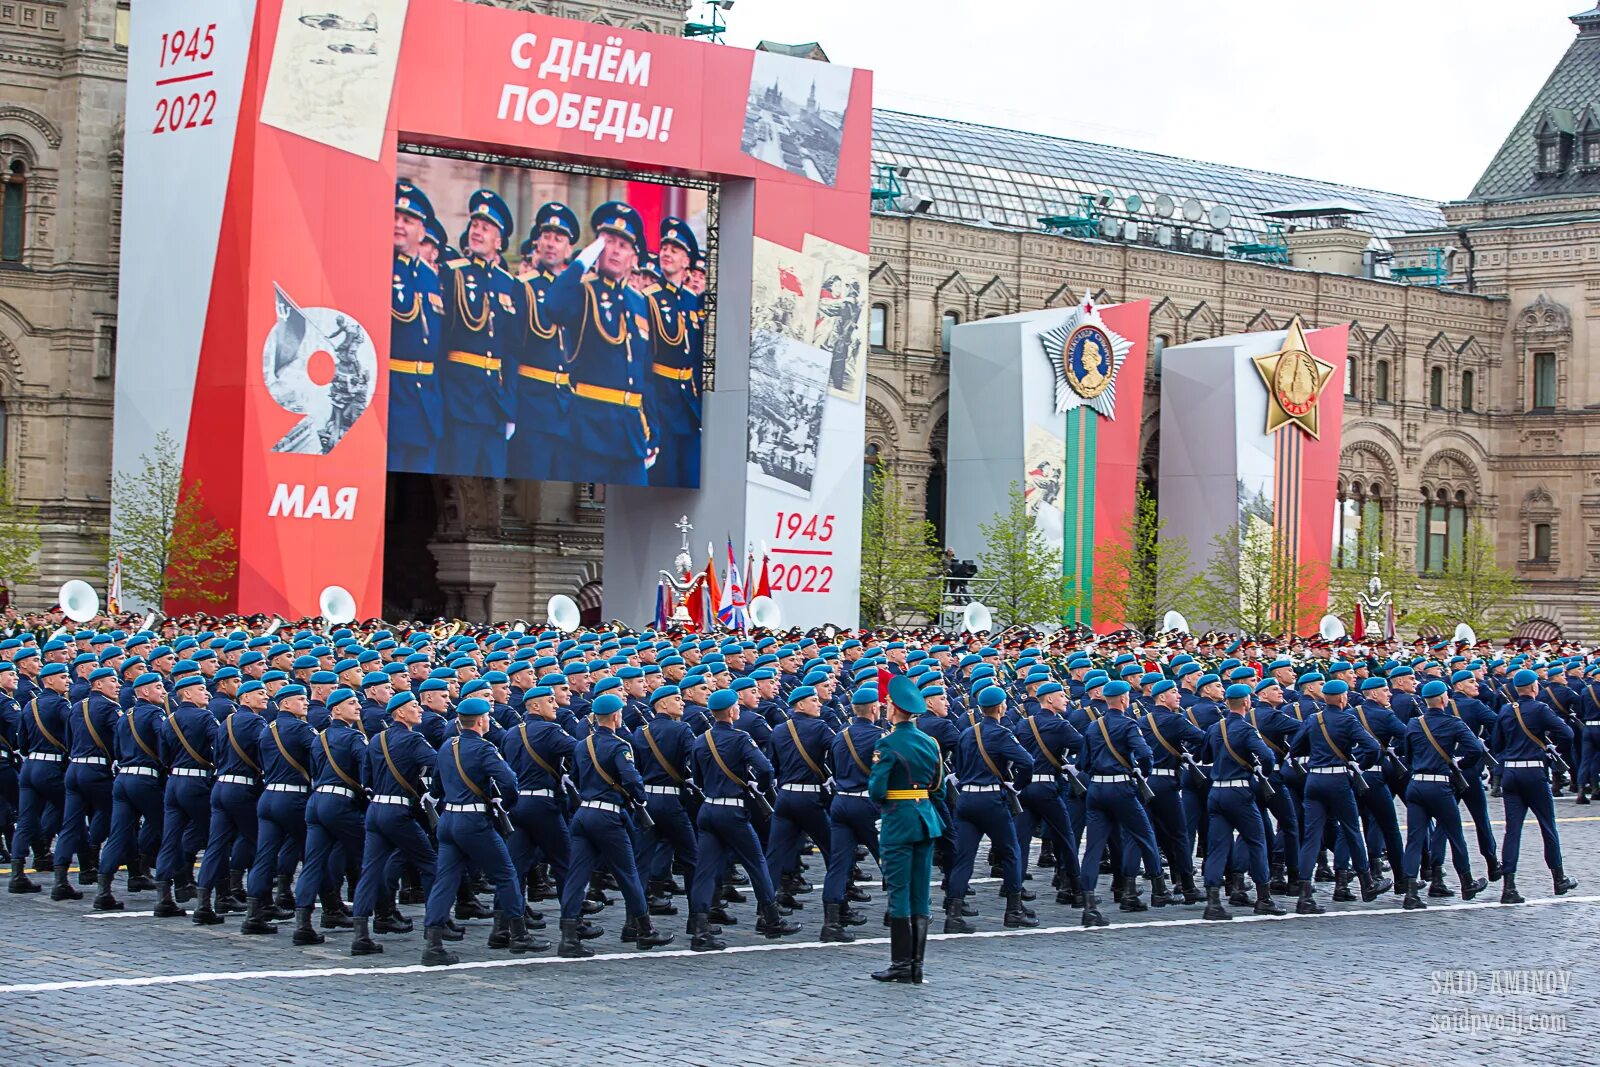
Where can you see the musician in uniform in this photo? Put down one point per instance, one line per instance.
(416, 309)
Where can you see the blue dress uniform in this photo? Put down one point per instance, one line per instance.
(945, 729)
(1169, 733)
(10, 758)
(1479, 718)
(800, 750)
(1588, 769)
(1521, 731)
(607, 333)
(981, 809)
(91, 733)
(1277, 728)
(467, 835)
(416, 313)
(1333, 738)
(41, 783)
(334, 826)
(537, 450)
(726, 831)
(1377, 803)
(602, 828)
(539, 752)
(400, 762)
(1231, 803)
(188, 737)
(675, 375)
(235, 795)
(1113, 746)
(484, 324)
(135, 796)
(1053, 743)
(664, 780)
(852, 818)
(285, 748)
(1433, 739)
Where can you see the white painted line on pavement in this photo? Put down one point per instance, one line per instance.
(119, 914)
(206, 977)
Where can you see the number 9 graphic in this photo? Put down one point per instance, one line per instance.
(320, 363)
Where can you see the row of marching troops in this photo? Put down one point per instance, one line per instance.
(583, 365)
(533, 766)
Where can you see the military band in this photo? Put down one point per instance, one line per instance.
(391, 764)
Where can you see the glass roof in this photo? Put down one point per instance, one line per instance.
(986, 176)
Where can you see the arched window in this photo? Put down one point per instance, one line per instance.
(1380, 381)
(1358, 525)
(1436, 387)
(1441, 530)
(947, 324)
(13, 222)
(878, 327)
(1468, 381)
(1349, 376)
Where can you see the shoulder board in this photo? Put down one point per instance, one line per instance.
(500, 268)
(462, 262)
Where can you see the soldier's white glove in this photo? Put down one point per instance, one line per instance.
(511, 428)
(588, 256)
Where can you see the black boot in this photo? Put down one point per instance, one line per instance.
(1323, 873)
(1129, 900)
(900, 967)
(363, 944)
(1436, 886)
(1471, 887)
(1563, 884)
(661, 904)
(280, 905)
(647, 936)
(1413, 901)
(1238, 895)
(1495, 870)
(721, 916)
(1583, 795)
(1264, 904)
(184, 887)
(88, 873)
(388, 919)
(304, 933)
(701, 939)
(1508, 890)
(1160, 895)
(468, 907)
(789, 902)
(500, 934)
(63, 889)
(166, 907)
(919, 946)
(453, 931)
(1342, 894)
(856, 895)
(1373, 887)
(1278, 878)
(103, 900)
(572, 946)
(1307, 904)
(847, 917)
(1214, 908)
(334, 915)
(832, 928)
(238, 899)
(771, 924)
(436, 955)
(205, 913)
(953, 922)
(1191, 895)
(139, 880)
(1016, 915)
(1091, 911)
(520, 939)
(256, 921)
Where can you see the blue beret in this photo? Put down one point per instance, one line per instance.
(184, 683)
(399, 700)
(340, 695)
(1149, 678)
(7, 665)
(1460, 676)
(938, 691)
(1339, 665)
(1186, 670)
(1128, 670)
(1554, 670)
(269, 676)
(24, 653)
(247, 660)
(816, 677)
(800, 693)
(1401, 672)
(904, 695)
(472, 708)
(291, 691)
(434, 685)
(477, 685)
(317, 677)
(535, 692)
(552, 680)
(52, 669)
(867, 694)
(1044, 690)
(1434, 688)
(1116, 689)
(496, 678)
(101, 672)
(606, 704)
(576, 666)
(1093, 681)
(605, 685)
(250, 687)
(693, 681)
(1205, 680)
(1265, 684)
(1236, 692)
(1521, 678)
(762, 674)
(375, 678)
(1335, 687)
(149, 677)
(661, 692)
(630, 672)
(1162, 686)
(741, 684)
(1239, 674)
(1310, 678)
(722, 698)
(1278, 664)
(991, 696)
(1368, 684)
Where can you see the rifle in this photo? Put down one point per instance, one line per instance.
(1264, 788)
(1146, 794)
(497, 810)
(1074, 780)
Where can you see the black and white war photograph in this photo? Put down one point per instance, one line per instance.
(788, 394)
(795, 115)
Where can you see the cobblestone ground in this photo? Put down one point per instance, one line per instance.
(1466, 983)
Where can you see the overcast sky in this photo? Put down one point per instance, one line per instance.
(1406, 96)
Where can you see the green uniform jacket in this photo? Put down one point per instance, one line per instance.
(907, 758)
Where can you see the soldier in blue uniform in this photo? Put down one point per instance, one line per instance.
(1235, 747)
(989, 763)
(1337, 746)
(136, 793)
(334, 828)
(675, 377)
(1172, 737)
(1434, 741)
(86, 817)
(416, 311)
(540, 753)
(800, 750)
(1377, 803)
(188, 737)
(285, 748)
(661, 750)
(484, 330)
(538, 450)
(1054, 744)
(1116, 755)
(41, 783)
(608, 344)
(231, 839)
(1523, 734)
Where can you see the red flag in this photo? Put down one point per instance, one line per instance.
(764, 585)
(787, 279)
(1359, 630)
(713, 593)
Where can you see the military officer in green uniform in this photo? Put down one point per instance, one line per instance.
(907, 783)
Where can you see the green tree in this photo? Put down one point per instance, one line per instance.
(1028, 586)
(900, 559)
(1144, 574)
(170, 550)
(19, 538)
(1473, 588)
(1249, 586)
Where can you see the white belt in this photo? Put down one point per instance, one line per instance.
(1163, 774)
(726, 802)
(1430, 777)
(285, 787)
(46, 757)
(336, 790)
(534, 793)
(1591, 722)
(90, 761)
(662, 790)
(603, 805)
(857, 792)
(189, 772)
(1111, 778)
(466, 809)
(801, 788)
(981, 788)
(237, 779)
(1524, 763)
(149, 772)
(387, 799)
(1233, 783)
(1328, 770)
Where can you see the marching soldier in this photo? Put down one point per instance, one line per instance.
(416, 311)
(852, 819)
(1053, 744)
(285, 748)
(538, 450)
(1434, 741)
(189, 731)
(1173, 740)
(86, 819)
(990, 764)
(661, 749)
(1238, 756)
(1522, 740)
(334, 829)
(800, 753)
(136, 793)
(234, 797)
(539, 752)
(1117, 758)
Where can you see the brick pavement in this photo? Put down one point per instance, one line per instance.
(1362, 984)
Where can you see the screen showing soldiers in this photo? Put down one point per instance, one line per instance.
(546, 326)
